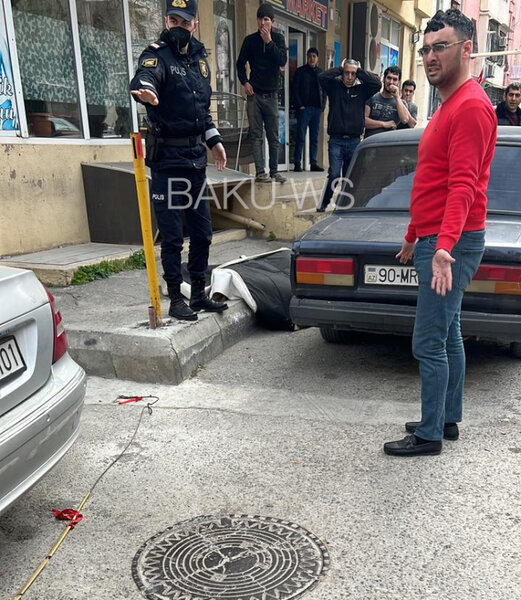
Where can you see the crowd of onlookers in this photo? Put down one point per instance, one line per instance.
(360, 103)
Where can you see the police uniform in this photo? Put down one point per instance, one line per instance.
(179, 126)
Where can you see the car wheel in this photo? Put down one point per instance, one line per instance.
(335, 336)
(515, 349)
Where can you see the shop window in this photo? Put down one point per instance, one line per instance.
(390, 44)
(225, 58)
(105, 67)
(146, 23)
(47, 69)
(227, 110)
(8, 110)
(395, 33)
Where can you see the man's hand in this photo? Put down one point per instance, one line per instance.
(388, 124)
(265, 34)
(407, 252)
(146, 96)
(219, 156)
(302, 108)
(394, 89)
(249, 89)
(442, 272)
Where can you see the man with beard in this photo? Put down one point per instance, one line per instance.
(386, 110)
(173, 82)
(508, 111)
(446, 233)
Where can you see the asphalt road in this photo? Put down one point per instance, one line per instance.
(287, 426)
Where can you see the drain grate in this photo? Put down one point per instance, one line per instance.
(233, 557)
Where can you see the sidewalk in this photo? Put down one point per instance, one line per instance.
(108, 333)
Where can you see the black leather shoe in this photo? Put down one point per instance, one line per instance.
(297, 169)
(179, 310)
(409, 446)
(320, 209)
(200, 301)
(450, 432)
(316, 168)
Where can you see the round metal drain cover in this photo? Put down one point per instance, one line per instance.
(232, 557)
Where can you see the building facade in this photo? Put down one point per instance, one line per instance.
(64, 72)
(497, 29)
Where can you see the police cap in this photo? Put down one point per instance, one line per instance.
(186, 9)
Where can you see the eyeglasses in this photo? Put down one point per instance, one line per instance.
(438, 48)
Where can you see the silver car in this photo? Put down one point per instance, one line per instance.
(41, 387)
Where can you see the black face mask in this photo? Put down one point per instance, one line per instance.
(178, 38)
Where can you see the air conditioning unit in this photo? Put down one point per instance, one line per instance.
(366, 26)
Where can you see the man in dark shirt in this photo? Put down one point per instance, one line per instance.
(265, 52)
(309, 101)
(386, 110)
(408, 89)
(508, 111)
(348, 87)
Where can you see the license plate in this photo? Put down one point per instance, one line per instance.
(385, 275)
(11, 359)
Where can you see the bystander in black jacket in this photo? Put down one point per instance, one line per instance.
(347, 105)
(182, 84)
(264, 60)
(504, 117)
(307, 90)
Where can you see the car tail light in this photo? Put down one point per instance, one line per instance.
(60, 337)
(325, 271)
(496, 279)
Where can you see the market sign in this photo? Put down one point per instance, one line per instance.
(315, 12)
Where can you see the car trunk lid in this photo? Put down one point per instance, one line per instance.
(26, 336)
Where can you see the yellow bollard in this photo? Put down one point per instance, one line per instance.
(146, 228)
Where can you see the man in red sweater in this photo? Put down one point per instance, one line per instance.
(446, 234)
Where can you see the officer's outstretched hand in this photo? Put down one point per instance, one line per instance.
(219, 156)
(146, 96)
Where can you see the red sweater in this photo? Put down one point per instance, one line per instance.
(451, 179)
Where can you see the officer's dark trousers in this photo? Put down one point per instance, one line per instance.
(179, 193)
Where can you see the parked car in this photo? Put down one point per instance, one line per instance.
(41, 387)
(345, 276)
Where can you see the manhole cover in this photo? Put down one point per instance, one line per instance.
(232, 557)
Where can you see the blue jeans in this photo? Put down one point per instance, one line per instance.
(340, 151)
(263, 114)
(309, 117)
(437, 341)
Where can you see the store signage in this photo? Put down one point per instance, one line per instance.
(315, 12)
(8, 113)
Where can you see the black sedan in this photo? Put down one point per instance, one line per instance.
(345, 276)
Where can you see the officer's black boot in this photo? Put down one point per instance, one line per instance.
(178, 308)
(200, 301)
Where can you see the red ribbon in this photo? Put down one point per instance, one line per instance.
(130, 399)
(68, 514)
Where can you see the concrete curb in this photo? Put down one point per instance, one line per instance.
(169, 354)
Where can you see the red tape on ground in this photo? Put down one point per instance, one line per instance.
(68, 514)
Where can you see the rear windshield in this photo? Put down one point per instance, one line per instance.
(382, 177)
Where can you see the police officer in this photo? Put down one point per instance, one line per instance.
(173, 82)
